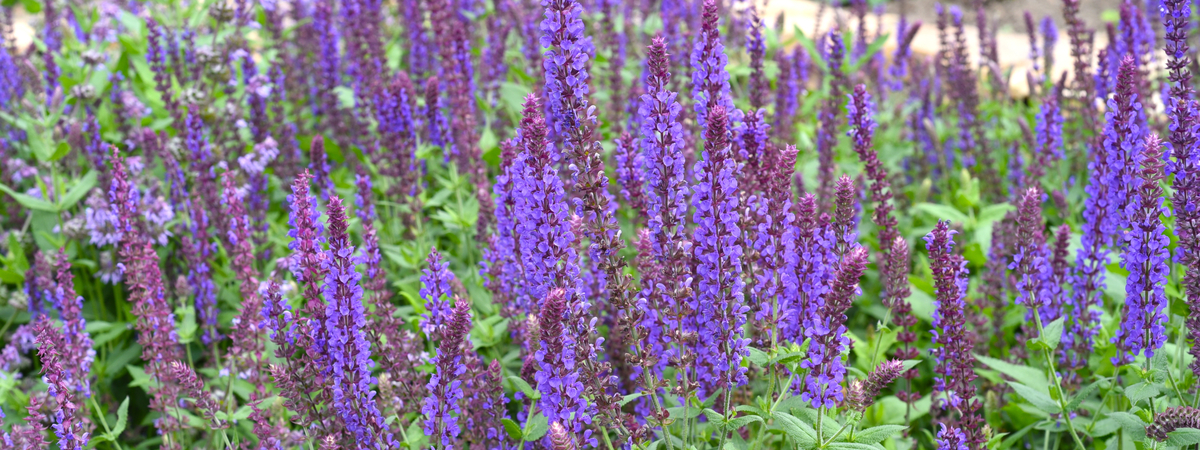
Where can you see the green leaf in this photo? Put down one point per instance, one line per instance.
(513, 430)
(1052, 333)
(32, 6)
(850, 446)
(122, 419)
(877, 434)
(1183, 437)
(1133, 425)
(909, 364)
(139, 376)
(76, 193)
(1083, 394)
(804, 434)
(739, 422)
(946, 212)
(1140, 391)
(536, 427)
(524, 387)
(1038, 397)
(29, 201)
(629, 398)
(1029, 376)
(758, 357)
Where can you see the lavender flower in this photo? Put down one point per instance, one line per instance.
(442, 408)
(1181, 108)
(68, 426)
(718, 284)
(954, 371)
(662, 141)
(349, 353)
(827, 117)
(435, 290)
(318, 163)
(710, 81)
(951, 438)
(827, 329)
(557, 377)
(1144, 319)
(757, 49)
(631, 174)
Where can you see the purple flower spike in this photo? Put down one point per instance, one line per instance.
(435, 290)
(443, 406)
(710, 81)
(954, 371)
(557, 377)
(951, 438)
(827, 331)
(718, 282)
(71, 431)
(835, 52)
(1143, 323)
(349, 354)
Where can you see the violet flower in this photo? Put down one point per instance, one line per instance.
(349, 354)
(835, 52)
(951, 438)
(557, 377)
(1181, 109)
(710, 81)
(1143, 323)
(954, 371)
(67, 424)
(719, 303)
(435, 291)
(827, 329)
(667, 193)
(443, 406)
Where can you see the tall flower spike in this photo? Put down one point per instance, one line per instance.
(1171, 419)
(954, 371)
(1182, 110)
(443, 406)
(349, 354)
(861, 395)
(718, 252)
(757, 49)
(667, 192)
(827, 331)
(71, 431)
(827, 119)
(78, 343)
(557, 378)
(1143, 324)
(710, 81)
(845, 215)
(435, 291)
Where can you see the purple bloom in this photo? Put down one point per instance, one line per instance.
(67, 424)
(787, 94)
(443, 406)
(954, 371)
(435, 290)
(718, 284)
(951, 438)
(630, 162)
(827, 329)
(77, 344)
(1049, 42)
(757, 49)
(827, 139)
(710, 81)
(557, 377)
(318, 163)
(349, 354)
(662, 142)
(1143, 321)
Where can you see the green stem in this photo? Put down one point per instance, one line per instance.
(820, 415)
(604, 433)
(1062, 404)
(835, 435)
